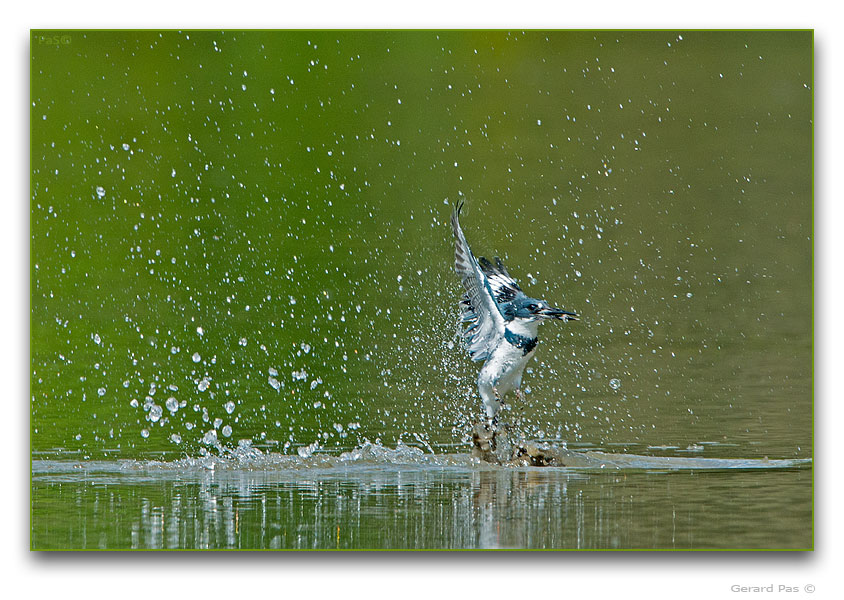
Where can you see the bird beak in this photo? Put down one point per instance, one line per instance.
(557, 313)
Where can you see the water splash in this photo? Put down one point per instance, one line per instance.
(375, 455)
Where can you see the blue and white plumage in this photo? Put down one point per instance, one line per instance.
(502, 322)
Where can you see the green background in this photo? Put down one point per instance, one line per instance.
(287, 194)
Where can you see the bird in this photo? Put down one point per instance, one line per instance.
(500, 322)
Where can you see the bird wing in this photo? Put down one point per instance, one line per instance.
(479, 306)
(504, 288)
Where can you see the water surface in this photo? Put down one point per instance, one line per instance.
(380, 498)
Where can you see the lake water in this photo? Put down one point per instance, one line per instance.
(241, 240)
(405, 499)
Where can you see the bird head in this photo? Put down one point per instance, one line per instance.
(532, 309)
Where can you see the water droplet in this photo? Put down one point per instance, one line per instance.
(172, 404)
(100, 192)
(155, 413)
(203, 385)
(196, 357)
(144, 433)
(229, 406)
(306, 451)
(615, 383)
(227, 431)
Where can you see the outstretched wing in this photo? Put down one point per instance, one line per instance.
(478, 306)
(504, 288)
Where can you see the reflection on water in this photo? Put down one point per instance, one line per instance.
(450, 503)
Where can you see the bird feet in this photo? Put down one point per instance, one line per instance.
(483, 442)
(491, 441)
(494, 442)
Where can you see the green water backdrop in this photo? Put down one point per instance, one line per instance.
(243, 235)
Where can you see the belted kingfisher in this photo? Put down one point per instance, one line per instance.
(502, 321)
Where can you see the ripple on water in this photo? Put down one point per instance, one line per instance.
(374, 455)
